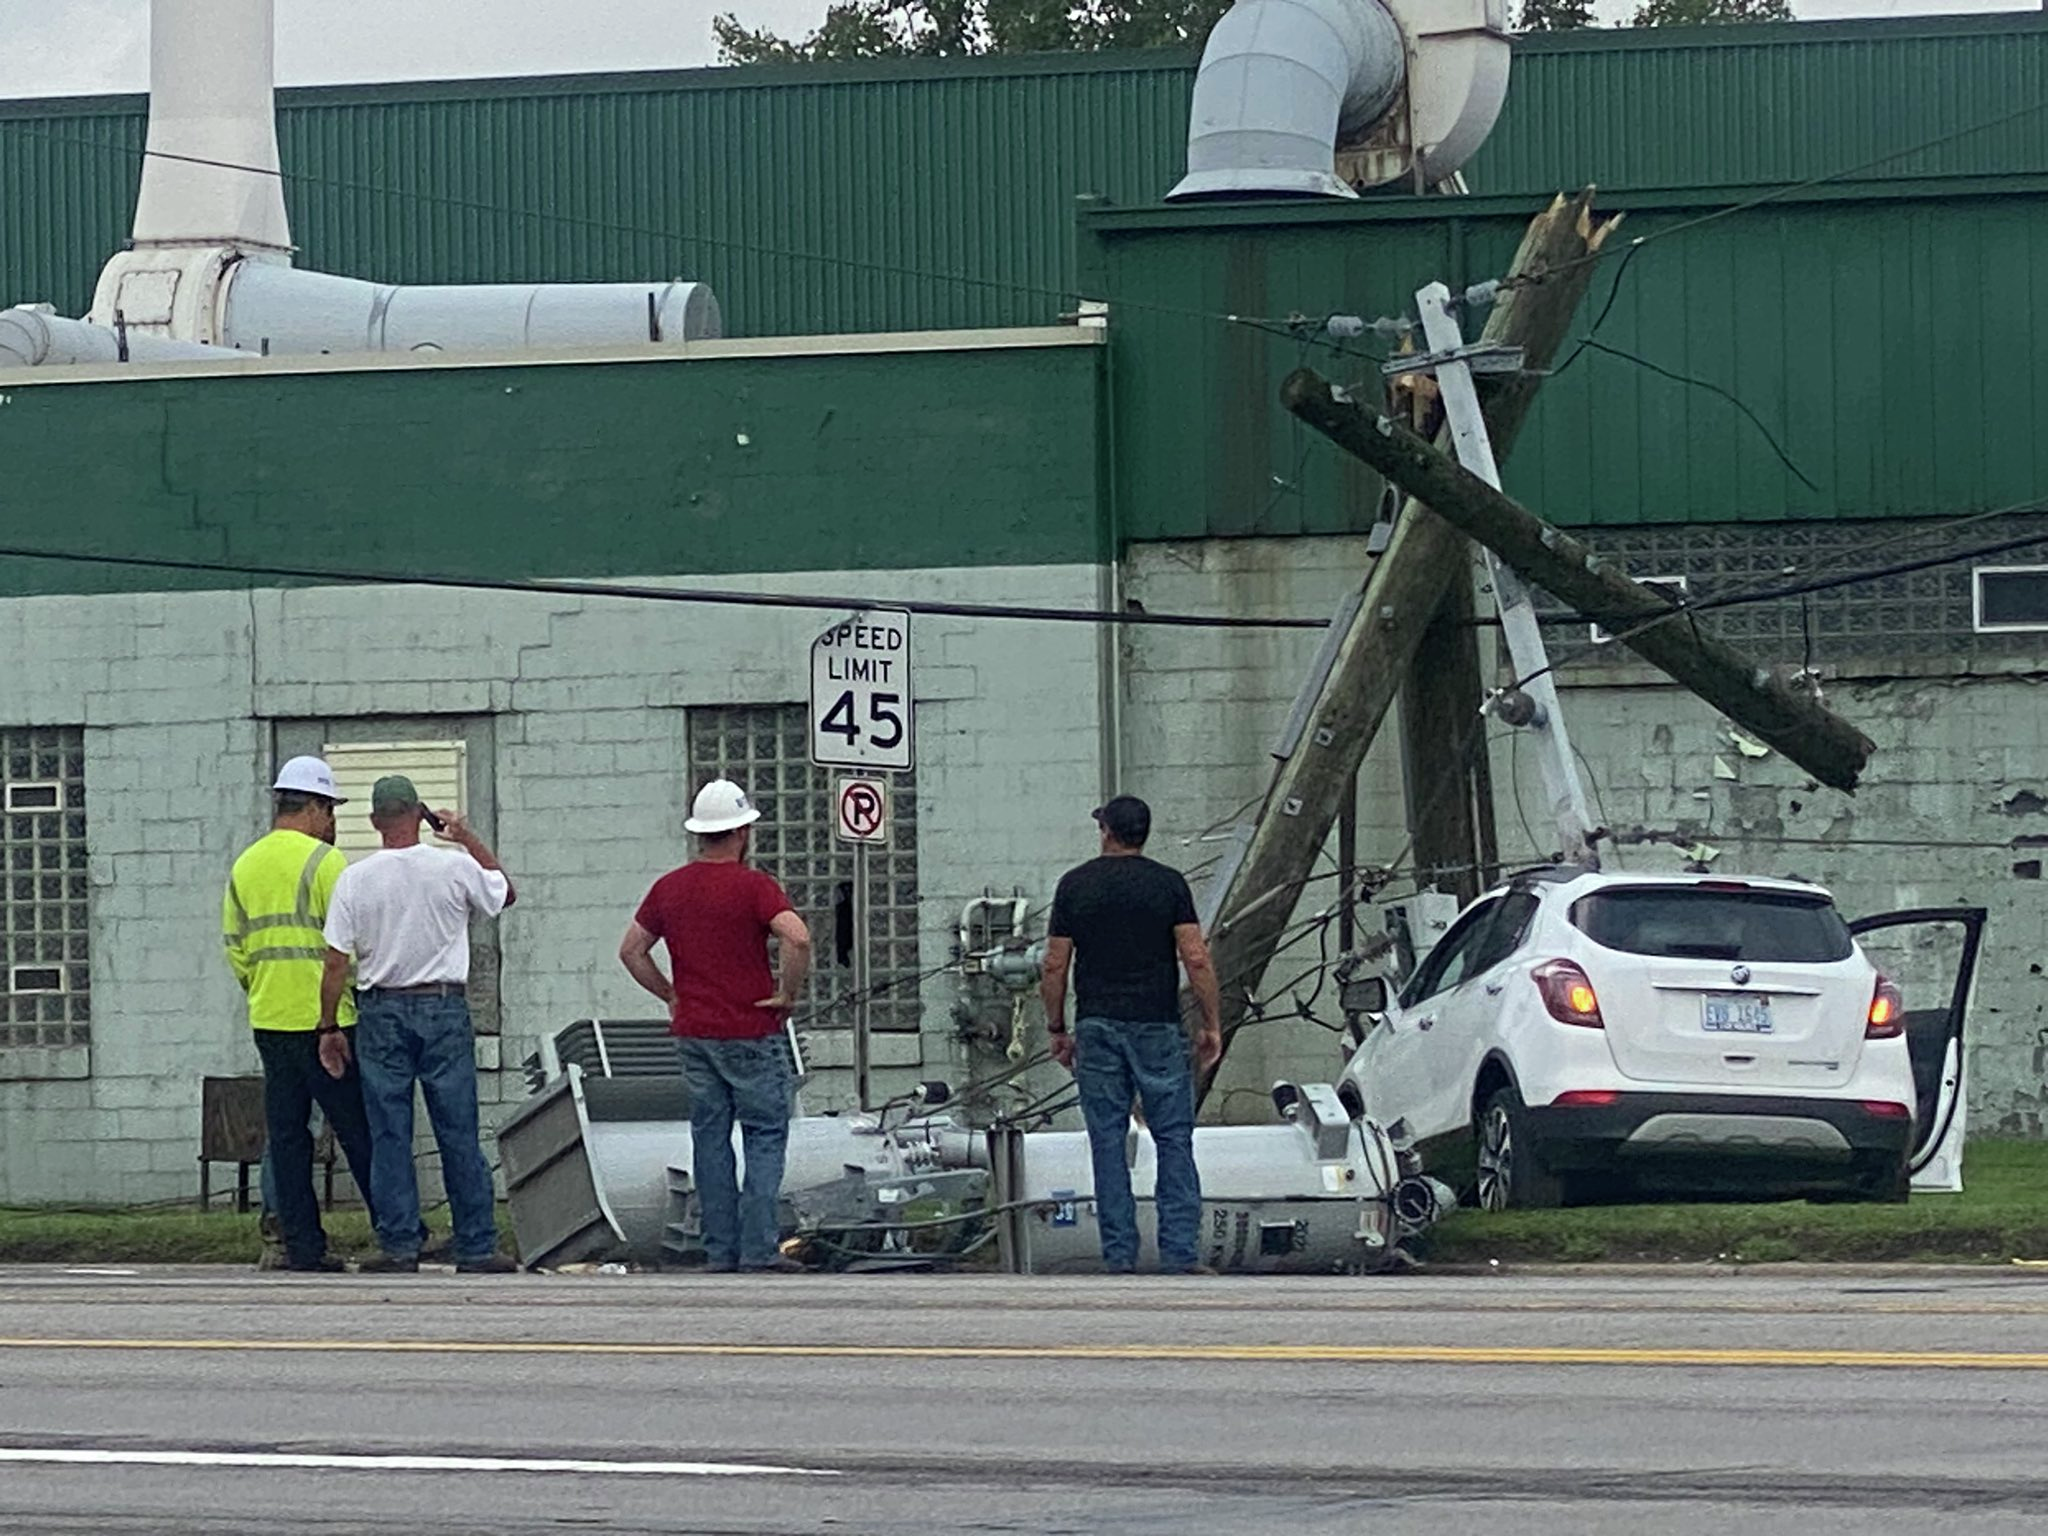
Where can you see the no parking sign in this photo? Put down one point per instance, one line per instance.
(860, 810)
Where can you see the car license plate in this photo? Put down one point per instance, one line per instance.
(1730, 1014)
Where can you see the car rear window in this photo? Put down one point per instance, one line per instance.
(1696, 924)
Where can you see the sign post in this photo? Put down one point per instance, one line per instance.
(861, 719)
(860, 816)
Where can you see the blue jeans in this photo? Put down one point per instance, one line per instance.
(402, 1039)
(1113, 1060)
(749, 1081)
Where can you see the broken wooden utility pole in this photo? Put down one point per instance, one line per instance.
(1753, 697)
(1402, 593)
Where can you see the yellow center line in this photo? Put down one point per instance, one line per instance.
(1334, 1354)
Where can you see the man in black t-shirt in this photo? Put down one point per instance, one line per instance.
(1132, 923)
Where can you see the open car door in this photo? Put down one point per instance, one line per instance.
(1931, 953)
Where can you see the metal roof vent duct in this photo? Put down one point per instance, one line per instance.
(1280, 81)
(210, 176)
(1320, 98)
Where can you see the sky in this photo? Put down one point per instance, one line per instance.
(88, 47)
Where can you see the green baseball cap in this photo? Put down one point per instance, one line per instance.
(393, 795)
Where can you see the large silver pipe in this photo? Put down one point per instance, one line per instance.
(285, 311)
(1281, 81)
(30, 338)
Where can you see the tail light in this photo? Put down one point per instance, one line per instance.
(1586, 1098)
(1886, 1109)
(1568, 994)
(1887, 1012)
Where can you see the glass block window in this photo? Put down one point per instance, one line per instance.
(766, 750)
(45, 890)
(1944, 611)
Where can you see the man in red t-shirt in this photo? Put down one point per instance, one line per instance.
(726, 1009)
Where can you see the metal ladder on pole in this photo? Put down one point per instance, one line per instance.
(1531, 704)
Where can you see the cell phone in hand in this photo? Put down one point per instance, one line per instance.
(433, 821)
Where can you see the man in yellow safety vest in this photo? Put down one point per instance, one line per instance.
(271, 921)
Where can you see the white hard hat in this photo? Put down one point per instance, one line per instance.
(722, 806)
(309, 776)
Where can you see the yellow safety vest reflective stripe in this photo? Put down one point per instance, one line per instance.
(271, 921)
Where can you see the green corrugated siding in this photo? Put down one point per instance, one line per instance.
(1890, 345)
(1741, 106)
(924, 195)
(813, 462)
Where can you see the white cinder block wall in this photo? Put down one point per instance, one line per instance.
(1204, 709)
(178, 695)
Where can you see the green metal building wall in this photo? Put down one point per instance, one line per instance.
(923, 195)
(1887, 342)
(710, 466)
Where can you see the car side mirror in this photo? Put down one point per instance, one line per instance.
(1364, 994)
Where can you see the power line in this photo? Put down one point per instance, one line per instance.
(1685, 839)
(1803, 589)
(1940, 529)
(1858, 578)
(1590, 343)
(1750, 205)
(698, 595)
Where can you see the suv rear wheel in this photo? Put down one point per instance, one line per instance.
(1511, 1175)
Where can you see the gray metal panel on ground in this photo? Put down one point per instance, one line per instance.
(619, 1047)
(559, 1214)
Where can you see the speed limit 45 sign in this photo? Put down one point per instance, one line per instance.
(860, 693)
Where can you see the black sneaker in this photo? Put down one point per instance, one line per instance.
(387, 1264)
(490, 1264)
(328, 1265)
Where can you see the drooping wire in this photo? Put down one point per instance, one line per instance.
(1776, 195)
(1591, 343)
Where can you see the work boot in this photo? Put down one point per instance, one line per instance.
(782, 1264)
(326, 1264)
(387, 1264)
(490, 1264)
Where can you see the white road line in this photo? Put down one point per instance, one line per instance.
(285, 1460)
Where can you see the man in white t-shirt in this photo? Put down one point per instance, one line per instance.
(402, 915)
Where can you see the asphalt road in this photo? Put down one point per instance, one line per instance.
(203, 1402)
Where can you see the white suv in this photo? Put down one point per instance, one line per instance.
(1575, 1034)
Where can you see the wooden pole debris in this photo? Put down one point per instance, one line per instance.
(1403, 591)
(1753, 697)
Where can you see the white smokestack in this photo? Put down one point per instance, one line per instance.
(211, 177)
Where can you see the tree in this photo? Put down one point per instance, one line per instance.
(1555, 15)
(872, 29)
(1698, 13)
(867, 29)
